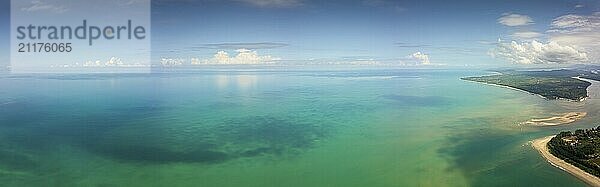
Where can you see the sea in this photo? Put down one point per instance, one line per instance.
(273, 128)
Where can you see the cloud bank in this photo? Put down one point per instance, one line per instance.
(571, 39)
(169, 62)
(535, 52)
(244, 56)
(582, 31)
(110, 63)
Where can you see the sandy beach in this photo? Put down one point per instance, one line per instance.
(540, 146)
(511, 88)
(565, 118)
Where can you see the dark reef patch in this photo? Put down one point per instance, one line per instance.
(261, 135)
(154, 154)
(234, 138)
(147, 133)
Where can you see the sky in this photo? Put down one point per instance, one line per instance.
(369, 32)
(4, 34)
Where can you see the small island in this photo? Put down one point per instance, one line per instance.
(575, 152)
(550, 84)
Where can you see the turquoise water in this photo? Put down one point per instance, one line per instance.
(274, 128)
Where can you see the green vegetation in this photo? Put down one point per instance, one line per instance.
(581, 149)
(552, 84)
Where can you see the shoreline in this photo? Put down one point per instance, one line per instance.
(541, 145)
(511, 88)
(525, 91)
(583, 79)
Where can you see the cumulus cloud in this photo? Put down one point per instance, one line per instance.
(571, 39)
(526, 35)
(514, 20)
(273, 3)
(172, 62)
(195, 61)
(582, 31)
(244, 56)
(421, 58)
(535, 52)
(42, 6)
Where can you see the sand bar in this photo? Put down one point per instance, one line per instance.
(565, 118)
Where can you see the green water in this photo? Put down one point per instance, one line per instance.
(269, 128)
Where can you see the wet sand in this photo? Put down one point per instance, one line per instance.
(557, 120)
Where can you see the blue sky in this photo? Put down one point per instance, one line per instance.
(456, 33)
(309, 31)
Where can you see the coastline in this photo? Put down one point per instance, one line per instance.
(525, 91)
(512, 88)
(583, 79)
(541, 145)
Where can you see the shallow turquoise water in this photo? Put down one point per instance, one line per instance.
(274, 128)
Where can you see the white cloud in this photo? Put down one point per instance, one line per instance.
(273, 3)
(171, 61)
(421, 58)
(582, 31)
(535, 52)
(195, 61)
(244, 56)
(526, 35)
(576, 23)
(112, 62)
(571, 39)
(513, 20)
(42, 6)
